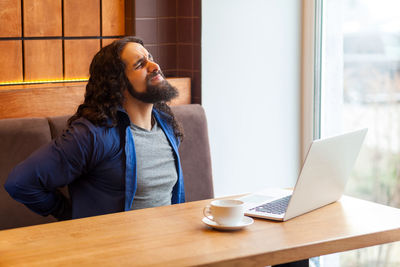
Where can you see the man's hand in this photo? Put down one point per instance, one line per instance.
(63, 210)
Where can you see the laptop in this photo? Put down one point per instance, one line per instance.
(322, 180)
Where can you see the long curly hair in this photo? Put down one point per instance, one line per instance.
(104, 90)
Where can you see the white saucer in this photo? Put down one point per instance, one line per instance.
(245, 222)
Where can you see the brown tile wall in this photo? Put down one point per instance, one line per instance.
(171, 31)
(43, 60)
(10, 16)
(55, 39)
(77, 57)
(113, 12)
(11, 60)
(67, 34)
(42, 18)
(78, 21)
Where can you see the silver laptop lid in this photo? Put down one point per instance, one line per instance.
(325, 172)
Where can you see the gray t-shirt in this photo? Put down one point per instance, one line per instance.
(156, 169)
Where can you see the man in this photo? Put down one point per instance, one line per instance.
(120, 150)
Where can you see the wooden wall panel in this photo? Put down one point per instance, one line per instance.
(10, 18)
(82, 18)
(42, 18)
(11, 61)
(130, 17)
(106, 42)
(184, 89)
(113, 17)
(78, 54)
(43, 100)
(43, 59)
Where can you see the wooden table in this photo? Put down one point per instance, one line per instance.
(175, 236)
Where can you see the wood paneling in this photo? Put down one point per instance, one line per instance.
(11, 61)
(44, 100)
(40, 102)
(183, 86)
(10, 18)
(78, 54)
(82, 18)
(46, 19)
(113, 17)
(108, 41)
(42, 18)
(43, 59)
(130, 17)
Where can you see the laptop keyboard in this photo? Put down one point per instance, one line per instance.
(275, 207)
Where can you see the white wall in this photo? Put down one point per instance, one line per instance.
(251, 92)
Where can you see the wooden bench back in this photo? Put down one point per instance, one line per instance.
(47, 100)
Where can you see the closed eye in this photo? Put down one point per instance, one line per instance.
(140, 64)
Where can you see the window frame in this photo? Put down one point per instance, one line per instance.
(311, 74)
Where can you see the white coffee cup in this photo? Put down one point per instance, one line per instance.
(228, 212)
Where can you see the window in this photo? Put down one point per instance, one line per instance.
(360, 87)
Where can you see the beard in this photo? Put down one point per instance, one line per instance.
(160, 92)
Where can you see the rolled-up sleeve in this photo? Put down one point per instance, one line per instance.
(34, 181)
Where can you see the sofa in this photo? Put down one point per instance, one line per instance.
(19, 137)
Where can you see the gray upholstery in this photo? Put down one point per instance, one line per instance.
(20, 137)
(57, 125)
(195, 152)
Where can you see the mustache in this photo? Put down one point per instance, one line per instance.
(154, 74)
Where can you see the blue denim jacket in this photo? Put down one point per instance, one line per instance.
(97, 163)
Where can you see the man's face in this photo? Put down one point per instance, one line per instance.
(146, 79)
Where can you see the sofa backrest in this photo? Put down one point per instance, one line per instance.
(20, 137)
(195, 152)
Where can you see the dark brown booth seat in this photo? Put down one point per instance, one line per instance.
(20, 137)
